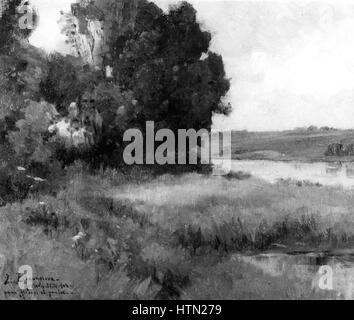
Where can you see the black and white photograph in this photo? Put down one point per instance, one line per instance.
(167, 150)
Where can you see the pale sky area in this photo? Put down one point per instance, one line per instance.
(291, 64)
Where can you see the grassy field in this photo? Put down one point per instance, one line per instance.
(173, 236)
(289, 145)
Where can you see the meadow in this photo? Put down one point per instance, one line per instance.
(129, 233)
(169, 237)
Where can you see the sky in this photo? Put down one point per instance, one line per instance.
(291, 63)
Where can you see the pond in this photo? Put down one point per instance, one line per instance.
(324, 275)
(328, 274)
(328, 174)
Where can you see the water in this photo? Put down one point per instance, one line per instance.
(328, 174)
(330, 274)
(304, 271)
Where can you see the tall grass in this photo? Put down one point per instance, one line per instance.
(243, 215)
(151, 238)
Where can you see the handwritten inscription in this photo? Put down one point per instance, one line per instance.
(43, 287)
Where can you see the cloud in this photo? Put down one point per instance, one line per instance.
(298, 68)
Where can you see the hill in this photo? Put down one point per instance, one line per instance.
(295, 145)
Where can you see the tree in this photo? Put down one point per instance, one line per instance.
(163, 70)
(111, 111)
(162, 58)
(29, 140)
(66, 81)
(165, 62)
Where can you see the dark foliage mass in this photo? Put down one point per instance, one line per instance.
(165, 61)
(66, 81)
(340, 150)
(163, 72)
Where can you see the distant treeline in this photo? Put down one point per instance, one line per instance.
(340, 149)
(314, 128)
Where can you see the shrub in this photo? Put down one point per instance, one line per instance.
(29, 141)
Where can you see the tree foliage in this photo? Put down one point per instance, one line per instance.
(66, 81)
(29, 138)
(165, 61)
(163, 71)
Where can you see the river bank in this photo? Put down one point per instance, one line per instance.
(279, 157)
(250, 239)
(170, 237)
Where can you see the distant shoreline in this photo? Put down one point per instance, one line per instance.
(290, 146)
(302, 160)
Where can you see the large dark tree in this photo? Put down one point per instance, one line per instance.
(163, 71)
(163, 58)
(166, 62)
